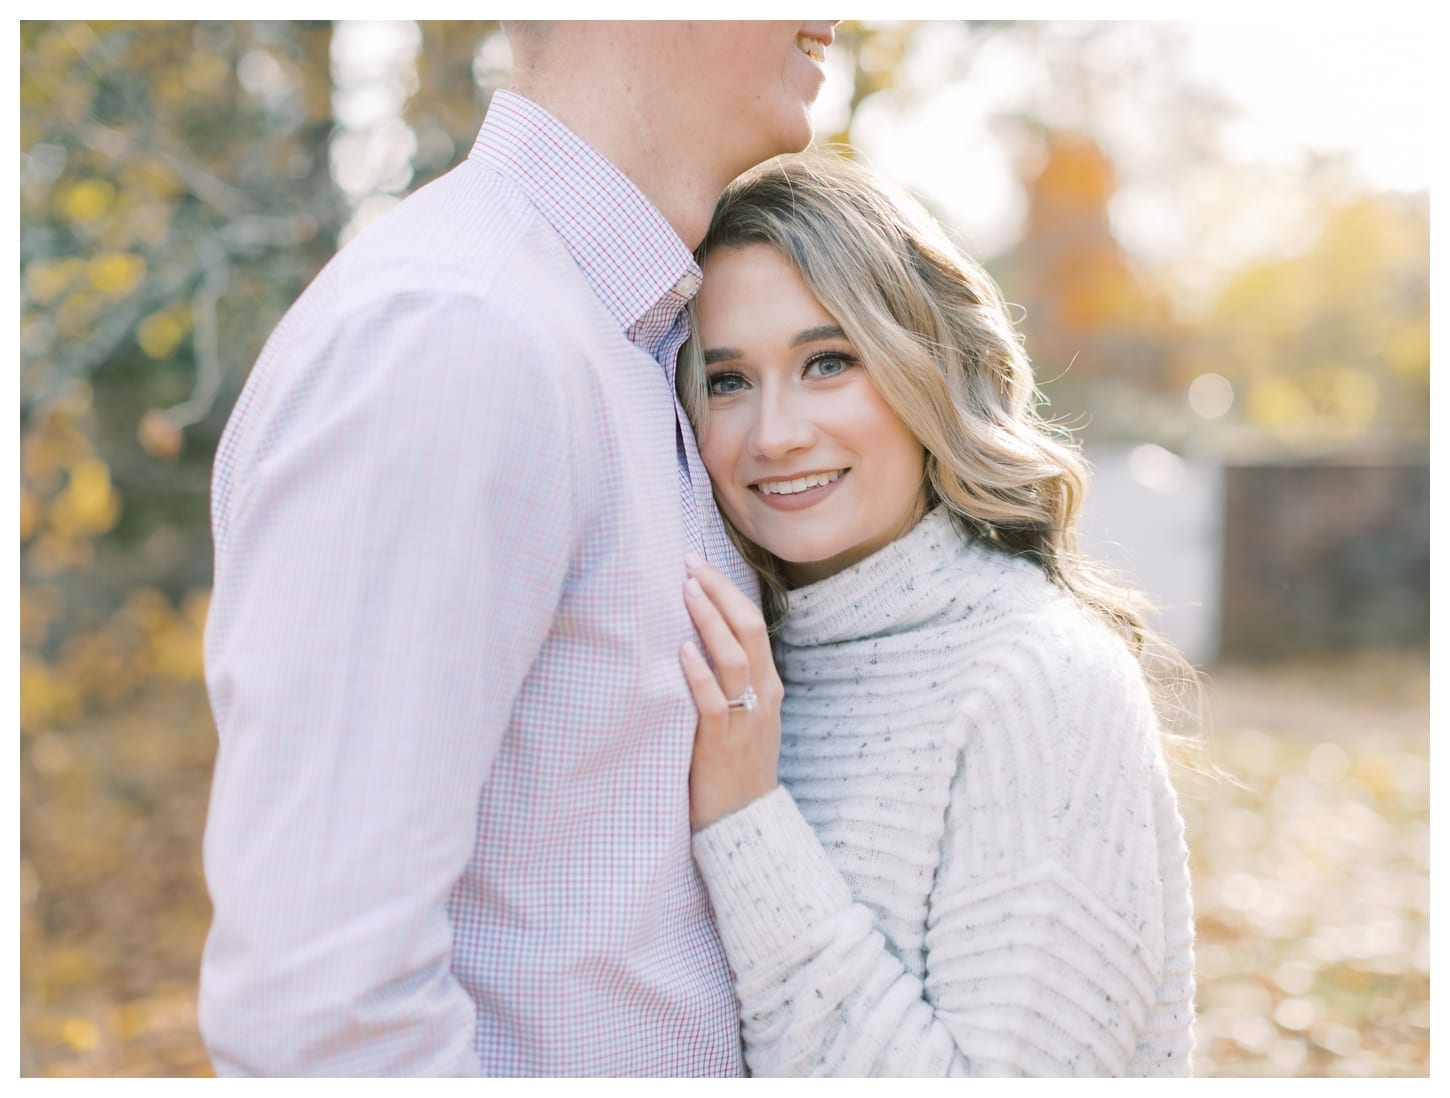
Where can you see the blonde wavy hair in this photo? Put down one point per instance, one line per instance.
(934, 335)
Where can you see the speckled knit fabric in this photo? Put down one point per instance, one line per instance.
(975, 863)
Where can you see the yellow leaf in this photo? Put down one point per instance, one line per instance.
(44, 282)
(77, 313)
(149, 609)
(29, 513)
(52, 553)
(1354, 395)
(161, 179)
(159, 334)
(1277, 402)
(89, 504)
(130, 1020)
(86, 199)
(39, 607)
(46, 698)
(178, 653)
(195, 606)
(116, 273)
(206, 72)
(80, 1033)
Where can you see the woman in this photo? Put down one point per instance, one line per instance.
(973, 863)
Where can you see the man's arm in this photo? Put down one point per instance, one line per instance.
(395, 546)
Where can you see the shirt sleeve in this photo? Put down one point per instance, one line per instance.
(1034, 966)
(398, 529)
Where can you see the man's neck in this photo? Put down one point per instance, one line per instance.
(678, 171)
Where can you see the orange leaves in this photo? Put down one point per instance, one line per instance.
(80, 1034)
(46, 695)
(113, 907)
(67, 498)
(1326, 347)
(1074, 185)
(170, 639)
(1085, 301)
(146, 639)
(29, 513)
(67, 501)
(158, 435)
(88, 505)
(1312, 887)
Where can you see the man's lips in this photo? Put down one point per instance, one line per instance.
(814, 46)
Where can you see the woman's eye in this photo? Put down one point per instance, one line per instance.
(724, 384)
(829, 365)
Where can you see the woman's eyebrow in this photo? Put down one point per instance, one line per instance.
(721, 354)
(812, 335)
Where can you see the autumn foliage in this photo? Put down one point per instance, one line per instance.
(181, 182)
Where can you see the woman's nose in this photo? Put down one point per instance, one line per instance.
(781, 426)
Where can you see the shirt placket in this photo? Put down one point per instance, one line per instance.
(693, 478)
(704, 532)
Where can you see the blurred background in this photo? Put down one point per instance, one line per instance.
(1217, 236)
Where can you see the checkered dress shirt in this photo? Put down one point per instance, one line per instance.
(449, 827)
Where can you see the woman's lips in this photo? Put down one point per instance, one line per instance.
(798, 501)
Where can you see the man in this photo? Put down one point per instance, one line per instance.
(449, 828)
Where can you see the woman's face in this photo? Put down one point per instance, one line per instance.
(807, 459)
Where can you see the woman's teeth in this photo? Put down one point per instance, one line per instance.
(800, 484)
(812, 48)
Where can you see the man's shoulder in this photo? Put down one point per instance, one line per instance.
(468, 244)
(470, 232)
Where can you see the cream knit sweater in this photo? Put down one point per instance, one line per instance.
(974, 864)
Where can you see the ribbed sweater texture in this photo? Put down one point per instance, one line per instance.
(974, 863)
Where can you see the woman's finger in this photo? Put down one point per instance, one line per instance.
(709, 699)
(732, 661)
(739, 610)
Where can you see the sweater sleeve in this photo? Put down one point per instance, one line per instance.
(1039, 957)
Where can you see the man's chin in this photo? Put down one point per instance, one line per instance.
(797, 140)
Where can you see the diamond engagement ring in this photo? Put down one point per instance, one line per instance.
(746, 701)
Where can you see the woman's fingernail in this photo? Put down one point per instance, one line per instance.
(694, 560)
(691, 651)
(692, 587)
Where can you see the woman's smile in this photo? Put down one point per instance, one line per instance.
(798, 493)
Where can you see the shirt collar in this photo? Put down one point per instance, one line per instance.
(625, 248)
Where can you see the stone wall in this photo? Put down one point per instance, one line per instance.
(1324, 556)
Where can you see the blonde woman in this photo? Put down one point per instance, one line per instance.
(935, 822)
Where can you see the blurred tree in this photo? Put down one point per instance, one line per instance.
(1332, 347)
(181, 182)
(180, 186)
(1098, 327)
(175, 197)
(1069, 118)
(459, 64)
(874, 52)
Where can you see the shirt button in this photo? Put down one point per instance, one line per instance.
(687, 286)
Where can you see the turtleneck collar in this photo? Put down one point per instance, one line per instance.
(915, 581)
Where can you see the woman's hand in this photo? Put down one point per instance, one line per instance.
(736, 749)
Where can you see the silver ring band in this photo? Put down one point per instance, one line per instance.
(746, 701)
